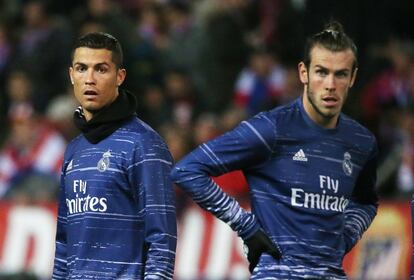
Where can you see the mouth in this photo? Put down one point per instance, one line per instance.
(90, 94)
(330, 101)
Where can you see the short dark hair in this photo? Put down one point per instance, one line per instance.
(101, 40)
(332, 38)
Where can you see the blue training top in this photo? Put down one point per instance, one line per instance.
(312, 189)
(116, 216)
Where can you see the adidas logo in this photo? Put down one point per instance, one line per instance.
(300, 156)
(69, 167)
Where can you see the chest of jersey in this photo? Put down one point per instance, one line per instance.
(309, 173)
(96, 180)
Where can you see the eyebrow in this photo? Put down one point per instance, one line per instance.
(95, 65)
(336, 71)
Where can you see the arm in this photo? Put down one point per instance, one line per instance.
(362, 207)
(60, 261)
(247, 145)
(151, 173)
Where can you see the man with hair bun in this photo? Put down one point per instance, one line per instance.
(310, 168)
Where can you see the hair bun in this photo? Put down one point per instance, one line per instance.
(334, 27)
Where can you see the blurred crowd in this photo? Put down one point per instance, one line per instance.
(197, 68)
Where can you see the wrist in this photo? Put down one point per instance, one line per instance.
(250, 230)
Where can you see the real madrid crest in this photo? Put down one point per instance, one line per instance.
(347, 164)
(103, 163)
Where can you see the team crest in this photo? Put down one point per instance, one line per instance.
(347, 164)
(103, 163)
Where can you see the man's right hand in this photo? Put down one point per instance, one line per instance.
(257, 244)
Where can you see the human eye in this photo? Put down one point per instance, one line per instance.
(102, 69)
(342, 74)
(80, 68)
(321, 72)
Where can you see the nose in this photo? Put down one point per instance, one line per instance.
(330, 83)
(90, 77)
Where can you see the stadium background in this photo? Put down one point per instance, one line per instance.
(197, 68)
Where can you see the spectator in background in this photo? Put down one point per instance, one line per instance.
(154, 107)
(262, 84)
(182, 45)
(384, 99)
(181, 97)
(90, 26)
(31, 158)
(293, 87)
(405, 175)
(105, 12)
(396, 171)
(6, 49)
(60, 113)
(222, 50)
(152, 38)
(390, 89)
(151, 24)
(280, 28)
(231, 117)
(43, 43)
(19, 88)
(6, 54)
(206, 127)
(178, 140)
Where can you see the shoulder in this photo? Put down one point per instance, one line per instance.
(143, 136)
(359, 134)
(71, 149)
(73, 145)
(135, 130)
(266, 125)
(281, 114)
(351, 124)
(290, 108)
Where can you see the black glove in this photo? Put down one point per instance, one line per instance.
(257, 244)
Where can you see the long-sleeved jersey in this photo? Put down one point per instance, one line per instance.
(312, 189)
(116, 217)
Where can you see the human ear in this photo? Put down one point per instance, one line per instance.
(121, 76)
(71, 75)
(303, 73)
(353, 77)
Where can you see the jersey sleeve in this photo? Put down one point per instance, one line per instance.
(247, 145)
(363, 204)
(60, 260)
(151, 173)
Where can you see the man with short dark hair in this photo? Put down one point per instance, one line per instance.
(310, 168)
(116, 216)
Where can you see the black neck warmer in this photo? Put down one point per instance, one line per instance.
(108, 119)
